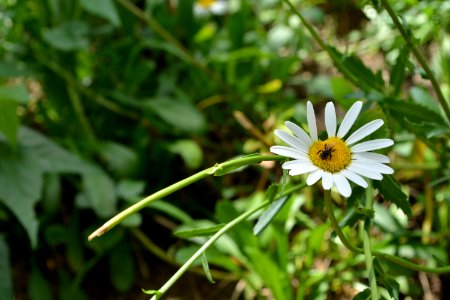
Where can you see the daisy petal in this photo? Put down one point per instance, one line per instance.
(370, 156)
(306, 167)
(342, 184)
(373, 166)
(291, 140)
(299, 132)
(327, 180)
(372, 145)
(312, 126)
(314, 177)
(349, 119)
(364, 172)
(288, 152)
(364, 131)
(294, 163)
(330, 119)
(355, 178)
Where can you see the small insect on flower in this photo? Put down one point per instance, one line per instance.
(337, 159)
(326, 153)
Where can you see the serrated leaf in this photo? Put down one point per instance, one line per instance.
(387, 281)
(103, 8)
(196, 232)
(206, 268)
(391, 191)
(411, 111)
(9, 121)
(6, 286)
(265, 219)
(398, 70)
(356, 69)
(427, 130)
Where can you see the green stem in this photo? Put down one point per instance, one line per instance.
(215, 170)
(205, 246)
(420, 58)
(368, 248)
(214, 238)
(79, 111)
(338, 63)
(397, 260)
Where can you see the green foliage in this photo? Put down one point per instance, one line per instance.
(104, 102)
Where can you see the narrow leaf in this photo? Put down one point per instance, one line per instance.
(265, 219)
(206, 268)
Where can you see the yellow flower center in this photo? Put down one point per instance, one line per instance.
(331, 155)
(205, 3)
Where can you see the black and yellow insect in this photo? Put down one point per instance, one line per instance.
(326, 153)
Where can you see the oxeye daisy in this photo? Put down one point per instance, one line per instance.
(337, 159)
(205, 7)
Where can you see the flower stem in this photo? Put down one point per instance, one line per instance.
(392, 258)
(368, 248)
(335, 224)
(218, 169)
(214, 238)
(419, 56)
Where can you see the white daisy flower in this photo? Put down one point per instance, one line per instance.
(205, 7)
(336, 159)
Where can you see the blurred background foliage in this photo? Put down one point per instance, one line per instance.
(103, 102)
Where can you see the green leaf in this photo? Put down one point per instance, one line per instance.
(363, 295)
(130, 189)
(69, 36)
(122, 268)
(17, 93)
(171, 210)
(206, 268)
(190, 151)
(398, 70)
(181, 115)
(341, 88)
(265, 219)
(120, 159)
(9, 121)
(235, 167)
(6, 286)
(391, 191)
(355, 68)
(21, 185)
(151, 292)
(50, 156)
(387, 281)
(103, 8)
(427, 130)
(39, 287)
(100, 191)
(401, 110)
(196, 232)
